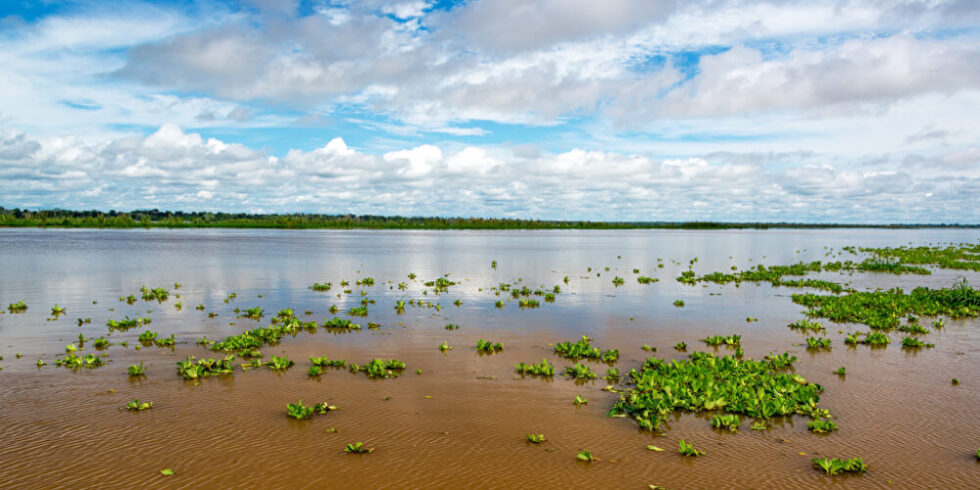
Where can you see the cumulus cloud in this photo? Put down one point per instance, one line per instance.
(172, 167)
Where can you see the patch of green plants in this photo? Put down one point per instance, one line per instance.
(535, 438)
(821, 426)
(147, 337)
(914, 343)
(358, 311)
(618, 281)
(357, 448)
(681, 346)
(488, 347)
(817, 343)
(299, 411)
(158, 294)
(203, 368)
(279, 363)
(580, 371)
(805, 325)
(646, 280)
(380, 368)
(138, 406)
(585, 455)
(137, 370)
(687, 449)
(583, 349)
(73, 361)
(444, 346)
(729, 421)
(841, 371)
(323, 361)
(748, 387)
(451, 326)
(731, 340)
(542, 369)
(126, 323)
(57, 310)
(834, 466)
(869, 338)
(440, 285)
(254, 313)
(679, 303)
(18, 307)
(340, 324)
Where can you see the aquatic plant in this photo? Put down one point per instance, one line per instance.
(440, 285)
(726, 421)
(489, 347)
(338, 324)
(940, 323)
(535, 438)
(841, 371)
(679, 303)
(40, 363)
(580, 371)
(357, 448)
(807, 325)
(914, 343)
(253, 313)
(18, 307)
(314, 370)
(542, 369)
(585, 455)
(367, 281)
(821, 426)
(279, 363)
(126, 323)
(612, 374)
(323, 361)
(760, 426)
(147, 336)
(380, 368)
(190, 370)
(687, 449)
(444, 346)
(583, 349)
(681, 346)
(913, 328)
(451, 326)
(137, 370)
(159, 294)
(299, 411)
(528, 303)
(358, 311)
(731, 340)
(836, 466)
(73, 361)
(618, 281)
(707, 382)
(817, 343)
(499, 304)
(138, 406)
(57, 310)
(646, 280)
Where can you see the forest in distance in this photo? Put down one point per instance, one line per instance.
(154, 218)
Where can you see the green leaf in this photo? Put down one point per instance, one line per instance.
(167, 472)
(655, 448)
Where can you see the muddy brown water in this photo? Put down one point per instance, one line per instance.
(461, 423)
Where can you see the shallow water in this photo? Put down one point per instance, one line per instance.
(462, 422)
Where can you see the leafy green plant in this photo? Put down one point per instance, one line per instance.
(314, 371)
(836, 466)
(817, 343)
(451, 326)
(357, 448)
(542, 369)
(731, 340)
(687, 449)
(585, 455)
(444, 346)
(580, 371)
(681, 346)
(807, 326)
(279, 363)
(914, 343)
(488, 347)
(159, 294)
(583, 349)
(821, 426)
(147, 336)
(646, 280)
(535, 438)
(138, 406)
(57, 310)
(203, 368)
(679, 303)
(323, 361)
(580, 401)
(726, 421)
(380, 368)
(841, 371)
(18, 307)
(618, 281)
(126, 323)
(137, 370)
(358, 311)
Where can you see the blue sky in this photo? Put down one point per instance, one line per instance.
(843, 111)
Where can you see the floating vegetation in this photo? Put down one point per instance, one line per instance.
(585, 455)
(914, 343)
(40, 363)
(57, 310)
(147, 336)
(731, 340)
(646, 280)
(357, 448)
(279, 363)
(730, 422)
(380, 368)
(126, 323)
(158, 294)
(440, 285)
(452, 326)
(137, 370)
(204, 368)
(444, 346)
(817, 343)
(837, 466)
(580, 371)
(583, 349)
(841, 371)
(84, 321)
(528, 303)
(882, 310)
(869, 338)
(358, 311)
(679, 303)
(72, 361)
(138, 406)
(488, 347)
(314, 371)
(542, 369)
(323, 361)
(706, 382)
(807, 326)
(913, 328)
(340, 324)
(681, 346)
(618, 281)
(821, 426)
(18, 307)
(535, 438)
(687, 449)
(254, 313)
(367, 281)
(299, 411)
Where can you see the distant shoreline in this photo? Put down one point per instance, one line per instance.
(16, 218)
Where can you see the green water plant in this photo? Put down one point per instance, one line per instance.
(841, 371)
(821, 426)
(138, 406)
(835, 466)
(488, 347)
(687, 449)
(444, 346)
(583, 349)
(807, 326)
(18, 307)
(380, 368)
(357, 448)
(914, 343)
(681, 346)
(535, 438)
(679, 303)
(137, 370)
(731, 340)
(580, 371)
(126, 323)
(646, 280)
(729, 421)
(817, 343)
(542, 369)
(203, 368)
(585, 455)
(323, 361)
(57, 310)
(279, 363)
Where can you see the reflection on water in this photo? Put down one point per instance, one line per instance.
(462, 422)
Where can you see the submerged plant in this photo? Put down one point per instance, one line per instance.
(836, 466)
(687, 449)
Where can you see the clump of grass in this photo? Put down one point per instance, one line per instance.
(73, 361)
(821, 426)
(452, 326)
(646, 280)
(687, 449)
(869, 338)
(323, 361)
(57, 310)
(254, 313)
(807, 326)
(488, 347)
(126, 323)
(836, 466)
(583, 349)
(138, 406)
(358, 311)
(535, 438)
(440, 285)
(618, 281)
(340, 324)
(580, 371)
(542, 369)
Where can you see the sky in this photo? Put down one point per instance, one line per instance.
(619, 110)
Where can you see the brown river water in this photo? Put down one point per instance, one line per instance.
(462, 422)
